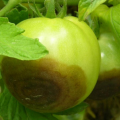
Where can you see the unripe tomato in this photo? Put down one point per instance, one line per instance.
(108, 83)
(64, 77)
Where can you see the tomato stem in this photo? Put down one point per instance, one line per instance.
(50, 7)
(9, 6)
(63, 10)
(69, 2)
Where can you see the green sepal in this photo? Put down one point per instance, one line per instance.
(50, 8)
(35, 9)
(63, 11)
(85, 7)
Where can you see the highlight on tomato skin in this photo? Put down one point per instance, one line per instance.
(63, 78)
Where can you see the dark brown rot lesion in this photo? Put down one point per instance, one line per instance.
(44, 85)
(108, 85)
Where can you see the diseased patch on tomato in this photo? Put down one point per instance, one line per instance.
(44, 85)
(108, 85)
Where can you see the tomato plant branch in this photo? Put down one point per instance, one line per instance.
(69, 2)
(9, 6)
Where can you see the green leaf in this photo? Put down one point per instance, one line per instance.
(114, 2)
(109, 19)
(11, 109)
(77, 116)
(93, 22)
(1, 4)
(1, 81)
(85, 7)
(5, 1)
(78, 108)
(114, 18)
(16, 16)
(1, 84)
(14, 44)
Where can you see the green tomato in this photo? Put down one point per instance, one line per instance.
(108, 83)
(63, 78)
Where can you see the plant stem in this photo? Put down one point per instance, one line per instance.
(50, 7)
(69, 2)
(9, 6)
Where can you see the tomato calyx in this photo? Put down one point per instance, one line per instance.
(51, 9)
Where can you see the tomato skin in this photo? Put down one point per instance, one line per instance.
(64, 77)
(108, 84)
